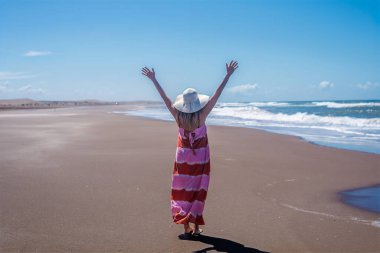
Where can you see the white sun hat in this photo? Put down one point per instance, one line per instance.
(190, 101)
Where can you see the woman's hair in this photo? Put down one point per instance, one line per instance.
(188, 120)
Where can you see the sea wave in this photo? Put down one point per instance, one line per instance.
(301, 118)
(346, 132)
(345, 105)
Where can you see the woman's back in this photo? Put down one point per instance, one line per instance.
(190, 121)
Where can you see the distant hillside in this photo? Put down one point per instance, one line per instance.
(26, 103)
(19, 101)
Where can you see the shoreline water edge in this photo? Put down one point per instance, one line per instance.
(351, 125)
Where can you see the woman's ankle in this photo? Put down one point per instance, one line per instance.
(187, 227)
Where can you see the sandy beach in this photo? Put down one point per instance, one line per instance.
(86, 180)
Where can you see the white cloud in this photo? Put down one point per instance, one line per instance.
(246, 89)
(367, 85)
(27, 89)
(15, 75)
(326, 85)
(30, 89)
(37, 53)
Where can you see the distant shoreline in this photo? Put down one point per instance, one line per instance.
(17, 104)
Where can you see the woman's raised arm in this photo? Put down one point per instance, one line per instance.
(152, 76)
(214, 98)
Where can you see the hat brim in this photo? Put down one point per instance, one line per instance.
(180, 105)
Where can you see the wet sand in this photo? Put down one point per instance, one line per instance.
(85, 180)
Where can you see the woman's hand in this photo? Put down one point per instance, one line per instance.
(231, 67)
(152, 76)
(149, 73)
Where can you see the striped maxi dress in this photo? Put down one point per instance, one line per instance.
(191, 175)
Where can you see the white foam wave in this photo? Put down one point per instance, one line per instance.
(345, 105)
(374, 223)
(257, 114)
(231, 104)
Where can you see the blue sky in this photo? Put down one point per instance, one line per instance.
(287, 50)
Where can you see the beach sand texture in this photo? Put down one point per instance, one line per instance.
(86, 180)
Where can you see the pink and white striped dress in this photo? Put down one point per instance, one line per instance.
(191, 175)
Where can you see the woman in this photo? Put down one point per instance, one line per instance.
(191, 171)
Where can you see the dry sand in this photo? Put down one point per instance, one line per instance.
(85, 180)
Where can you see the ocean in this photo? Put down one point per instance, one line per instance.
(351, 124)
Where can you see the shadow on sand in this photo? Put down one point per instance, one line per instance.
(220, 244)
